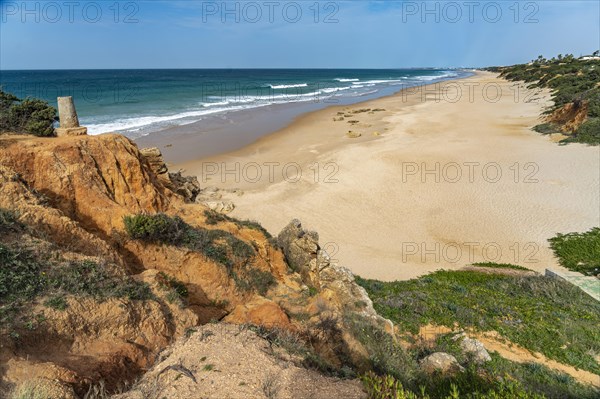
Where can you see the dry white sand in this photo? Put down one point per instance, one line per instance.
(382, 217)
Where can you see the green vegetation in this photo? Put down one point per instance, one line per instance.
(30, 115)
(298, 345)
(541, 314)
(30, 391)
(213, 217)
(217, 245)
(500, 266)
(26, 275)
(177, 291)
(573, 81)
(499, 378)
(387, 387)
(9, 221)
(547, 128)
(255, 279)
(578, 251)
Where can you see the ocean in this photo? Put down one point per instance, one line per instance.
(137, 103)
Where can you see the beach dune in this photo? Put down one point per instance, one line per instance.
(434, 177)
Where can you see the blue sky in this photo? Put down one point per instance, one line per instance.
(286, 34)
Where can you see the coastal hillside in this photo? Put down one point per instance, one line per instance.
(575, 85)
(104, 265)
(112, 282)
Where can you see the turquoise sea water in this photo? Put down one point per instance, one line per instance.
(139, 102)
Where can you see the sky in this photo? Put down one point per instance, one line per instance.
(106, 34)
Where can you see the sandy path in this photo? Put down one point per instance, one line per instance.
(498, 193)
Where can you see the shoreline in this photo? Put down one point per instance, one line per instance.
(227, 132)
(378, 210)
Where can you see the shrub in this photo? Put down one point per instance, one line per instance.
(500, 266)
(546, 128)
(90, 278)
(260, 280)
(217, 245)
(588, 133)
(20, 275)
(578, 251)
(57, 302)
(387, 387)
(178, 292)
(30, 115)
(157, 228)
(9, 221)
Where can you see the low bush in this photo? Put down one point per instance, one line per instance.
(30, 115)
(217, 245)
(387, 387)
(587, 133)
(26, 275)
(9, 221)
(213, 217)
(260, 280)
(546, 128)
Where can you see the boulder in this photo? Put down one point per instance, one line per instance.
(475, 349)
(440, 362)
(220, 206)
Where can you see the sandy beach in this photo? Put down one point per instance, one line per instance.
(441, 176)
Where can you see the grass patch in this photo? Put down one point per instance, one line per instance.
(217, 245)
(388, 387)
(499, 378)
(579, 252)
(26, 275)
(541, 314)
(500, 266)
(56, 302)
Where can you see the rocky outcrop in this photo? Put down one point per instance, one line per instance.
(440, 362)
(73, 193)
(155, 160)
(186, 186)
(217, 199)
(336, 283)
